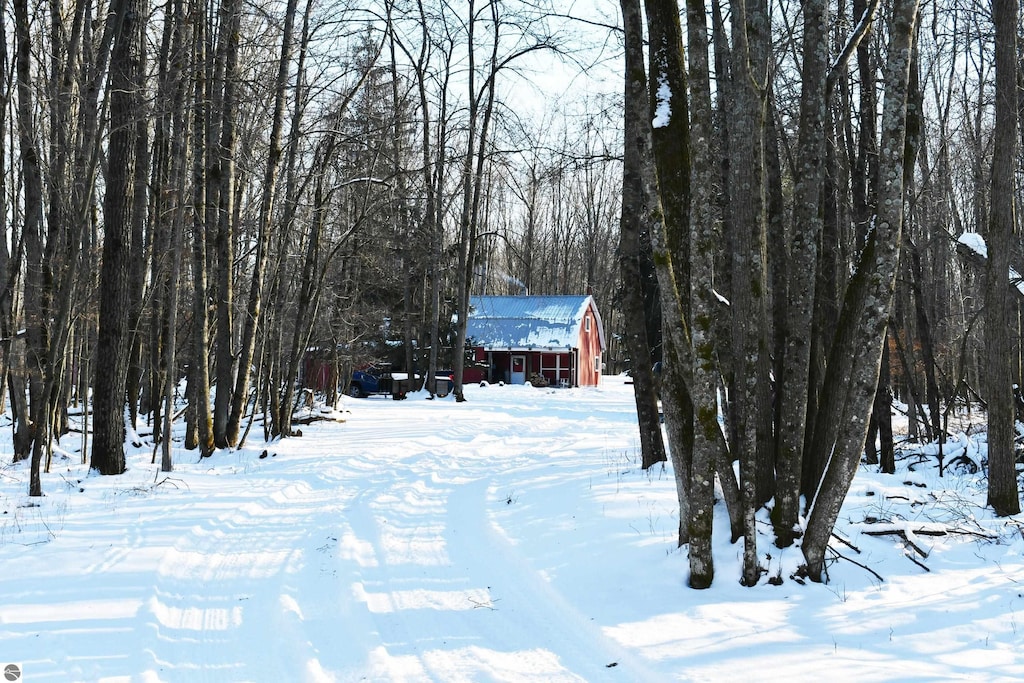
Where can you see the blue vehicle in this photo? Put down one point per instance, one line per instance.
(372, 379)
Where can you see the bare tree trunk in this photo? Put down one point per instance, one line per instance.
(749, 253)
(482, 103)
(636, 207)
(140, 264)
(170, 342)
(308, 295)
(705, 231)
(408, 244)
(883, 413)
(1003, 495)
(199, 371)
(253, 310)
(178, 87)
(166, 198)
(476, 146)
(642, 199)
(8, 267)
(833, 255)
(31, 235)
(852, 373)
(114, 340)
(433, 172)
(671, 145)
(652, 447)
(924, 330)
(223, 184)
(803, 267)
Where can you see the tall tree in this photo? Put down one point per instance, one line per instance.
(855, 356)
(638, 213)
(481, 111)
(748, 258)
(221, 199)
(253, 310)
(200, 432)
(805, 232)
(671, 145)
(1003, 495)
(483, 103)
(8, 266)
(114, 341)
(434, 163)
(705, 229)
(31, 239)
(175, 87)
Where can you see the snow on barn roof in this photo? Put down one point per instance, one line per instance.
(529, 322)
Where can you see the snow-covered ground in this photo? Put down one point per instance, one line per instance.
(510, 538)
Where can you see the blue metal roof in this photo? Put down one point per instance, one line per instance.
(528, 322)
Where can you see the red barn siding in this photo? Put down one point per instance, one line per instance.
(578, 363)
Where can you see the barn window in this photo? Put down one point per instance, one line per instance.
(597, 363)
(555, 366)
(586, 323)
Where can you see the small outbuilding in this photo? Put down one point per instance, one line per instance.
(517, 339)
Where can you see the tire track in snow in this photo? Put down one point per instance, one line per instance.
(542, 618)
(449, 598)
(211, 607)
(384, 586)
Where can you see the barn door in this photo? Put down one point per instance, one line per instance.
(517, 374)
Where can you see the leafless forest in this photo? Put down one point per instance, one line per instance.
(204, 199)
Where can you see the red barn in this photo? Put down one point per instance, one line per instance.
(515, 338)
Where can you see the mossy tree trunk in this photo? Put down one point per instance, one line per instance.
(635, 220)
(705, 232)
(805, 235)
(855, 356)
